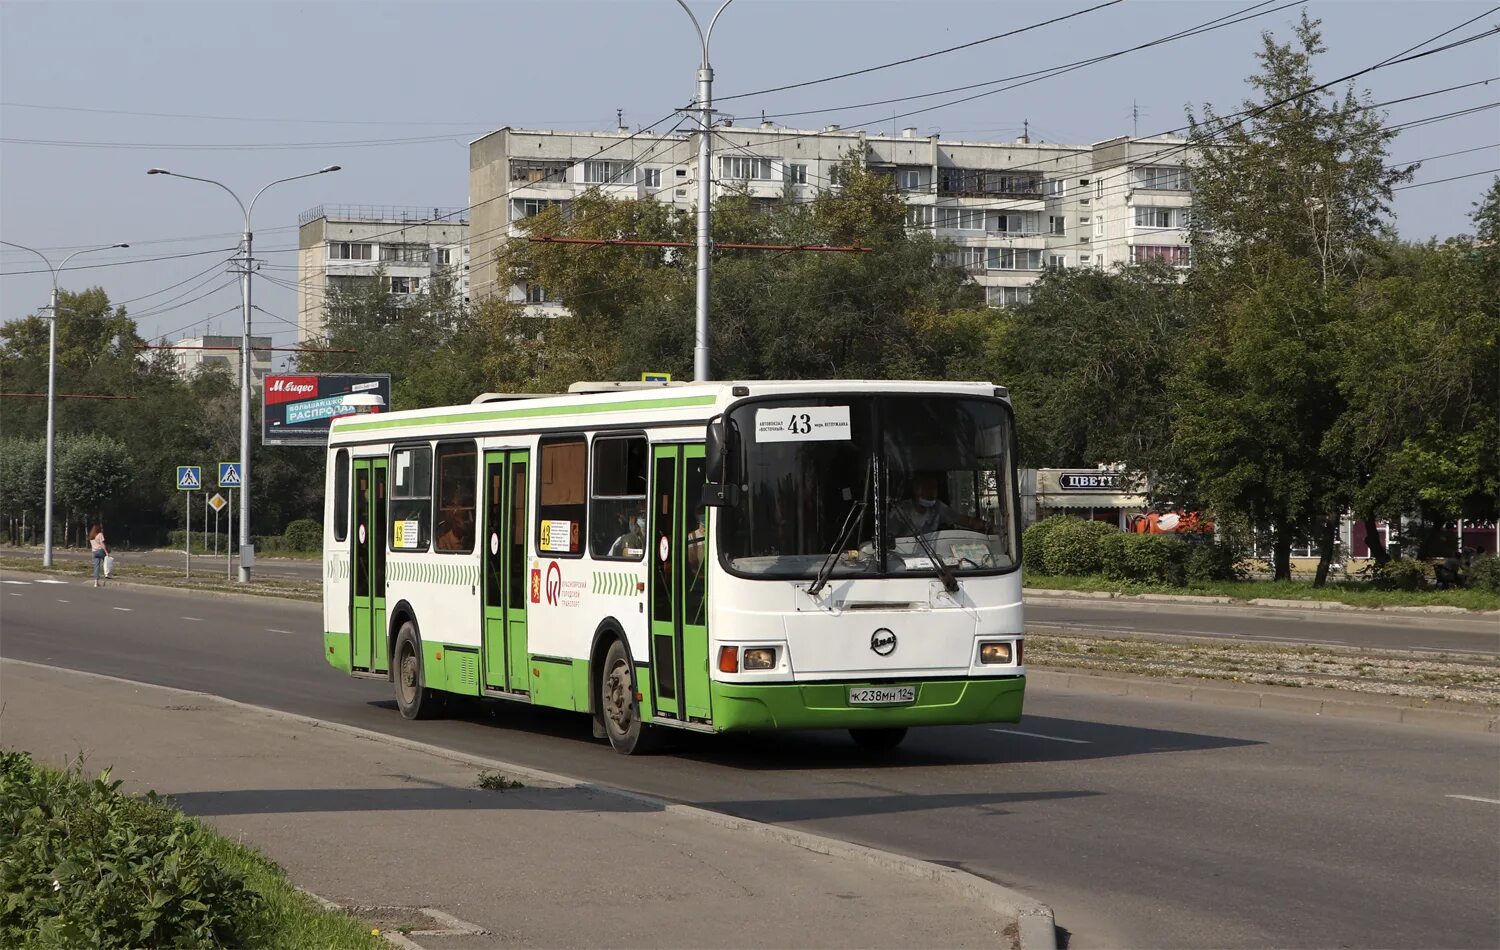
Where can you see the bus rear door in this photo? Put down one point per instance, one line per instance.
(367, 593)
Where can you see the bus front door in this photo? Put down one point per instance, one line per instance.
(505, 577)
(679, 589)
(367, 593)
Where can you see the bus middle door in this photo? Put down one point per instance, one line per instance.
(367, 593)
(679, 592)
(505, 590)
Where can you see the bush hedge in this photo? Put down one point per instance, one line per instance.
(304, 534)
(1034, 541)
(1072, 546)
(1484, 574)
(1402, 574)
(1145, 559)
(83, 866)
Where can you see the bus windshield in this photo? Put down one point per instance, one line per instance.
(879, 485)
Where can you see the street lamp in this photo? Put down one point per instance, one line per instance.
(52, 387)
(706, 117)
(247, 550)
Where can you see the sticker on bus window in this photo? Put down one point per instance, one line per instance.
(407, 534)
(557, 536)
(803, 424)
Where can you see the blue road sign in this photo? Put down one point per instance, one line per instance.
(189, 478)
(229, 474)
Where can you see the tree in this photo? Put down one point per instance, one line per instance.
(22, 479)
(92, 471)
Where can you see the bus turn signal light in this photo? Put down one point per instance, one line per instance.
(729, 659)
(994, 653)
(760, 658)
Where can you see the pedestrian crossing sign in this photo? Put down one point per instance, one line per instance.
(189, 477)
(229, 474)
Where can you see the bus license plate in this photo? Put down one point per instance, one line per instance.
(882, 695)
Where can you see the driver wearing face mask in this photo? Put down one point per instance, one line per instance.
(924, 512)
(633, 541)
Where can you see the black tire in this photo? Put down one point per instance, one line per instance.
(413, 699)
(618, 706)
(878, 740)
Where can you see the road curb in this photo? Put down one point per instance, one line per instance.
(1034, 920)
(1207, 600)
(1247, 696)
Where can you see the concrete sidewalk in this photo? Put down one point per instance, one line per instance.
(370, 823)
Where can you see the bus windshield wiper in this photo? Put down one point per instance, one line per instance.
(950, 582)
(856, 514)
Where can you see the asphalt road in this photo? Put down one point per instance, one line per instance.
(1353, 628)
(1144, 823)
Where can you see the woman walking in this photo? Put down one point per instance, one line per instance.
(101, 551)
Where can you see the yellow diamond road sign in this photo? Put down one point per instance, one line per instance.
(217, 502)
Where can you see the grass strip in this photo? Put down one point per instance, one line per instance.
(1431, 677)
(82, 864)
(311, 591)
(1351, 593)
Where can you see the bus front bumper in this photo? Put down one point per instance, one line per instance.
(825, 705)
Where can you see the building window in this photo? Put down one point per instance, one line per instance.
(617, 500)
(960, 219)
(1083, 260)
(444, 256)
(1154, 217)
(1084, 219)
(347, 284)
(601, 172)
(682, 173)
(535, 171)
(404, 253)
(649, 177)
(1057, 261)
(411, 498)
(909, 179)
(1058, 224)
(919, 216)
(747, 168)
(1175, 255)
(536, 293)
(406, 285)
(1054, 188)
(350, 251)
(966, 258)
(1011, 258)
(1007, 296)
(1015, 224)
(457, 472)
(561, 505)
(523, 208)
(795, 174)
(1085, 201)
(1162, 178)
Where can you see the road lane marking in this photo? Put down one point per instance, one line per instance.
(274, 630)
(13, 593)
(1038, 735)
(1475, 798)
(48, 580)
(62, 601)
(194, 619)
(125, 609)
(20, 583)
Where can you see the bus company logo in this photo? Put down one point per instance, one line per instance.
(536, 583)
(554, 582)
(883, 642)
(290, 388)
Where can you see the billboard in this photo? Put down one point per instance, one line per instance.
(298, 409)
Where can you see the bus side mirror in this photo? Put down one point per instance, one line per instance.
(713, 469)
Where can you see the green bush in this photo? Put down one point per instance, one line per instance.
(1484, 574)
(1072, 546)
(1146, 559)
(83, 865)
(1209, 561)
(304, 534)
(1402, 574)
(1034, 541)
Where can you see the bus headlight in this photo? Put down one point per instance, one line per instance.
(760, 658)
(994, 653)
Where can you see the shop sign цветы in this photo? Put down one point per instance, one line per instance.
(1089, 481)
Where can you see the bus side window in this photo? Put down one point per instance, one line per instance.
(411, 498)
(561, 503)
(617, 504)
(341, 495)
(456, 469)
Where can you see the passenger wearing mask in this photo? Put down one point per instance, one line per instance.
(924, 512)
(633, 541)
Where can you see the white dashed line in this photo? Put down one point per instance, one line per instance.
(194, 619)
(125, 609)
(48, 580)
(13, 593)
(61, 601)
(274, 630)
(1475, 798)
(1038, 735)
(20, 583)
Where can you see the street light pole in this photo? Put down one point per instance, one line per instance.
(51, 476)
(247, 551)
(705, 192)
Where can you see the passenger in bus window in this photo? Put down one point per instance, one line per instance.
(924, 512)
(633, 541)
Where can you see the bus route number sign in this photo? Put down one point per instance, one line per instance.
(803, 424)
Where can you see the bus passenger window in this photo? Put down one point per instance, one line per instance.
(561, 504)
(341, 495)
(617, 505)
(456, 472)
(411, 498)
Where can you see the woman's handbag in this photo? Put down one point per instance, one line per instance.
(109, 565)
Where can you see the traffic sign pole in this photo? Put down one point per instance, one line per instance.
(187, 546)
(229, 541)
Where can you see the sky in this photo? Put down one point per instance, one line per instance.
(248, 92)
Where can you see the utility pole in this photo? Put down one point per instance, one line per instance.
(705, 188)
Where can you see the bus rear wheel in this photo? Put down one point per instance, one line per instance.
(622, 712)
(878, 740)
(413, 699)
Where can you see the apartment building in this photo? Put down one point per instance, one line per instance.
(1011, 209)
(222, 352)
(339, 246)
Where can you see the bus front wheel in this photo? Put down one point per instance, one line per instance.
(622, 712)
(878, 740)
(413, 699)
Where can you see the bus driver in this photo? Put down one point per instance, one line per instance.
(924, 512)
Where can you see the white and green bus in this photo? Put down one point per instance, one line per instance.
(711, 557)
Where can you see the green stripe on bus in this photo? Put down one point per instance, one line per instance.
(528, 413)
